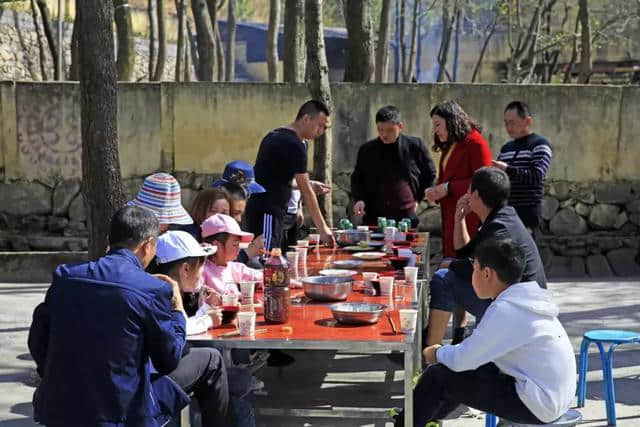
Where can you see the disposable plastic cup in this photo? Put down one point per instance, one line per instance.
(408, 318)
(247, 291)
(411, 275)
(386, 285)
(247, 323)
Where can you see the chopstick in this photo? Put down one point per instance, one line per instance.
(236, 333)
(393, 325)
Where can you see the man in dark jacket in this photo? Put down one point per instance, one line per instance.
(108, 341)
(451, 286)
(391, 172)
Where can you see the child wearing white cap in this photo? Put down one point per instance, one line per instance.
(180, 256)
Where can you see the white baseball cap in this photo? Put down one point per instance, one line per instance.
(175, 245)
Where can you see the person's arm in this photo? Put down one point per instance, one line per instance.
(38, 341)
(495, 335)
(165, 329)
(461, 236)
(310, 200)
(536, 172)
(427, 169)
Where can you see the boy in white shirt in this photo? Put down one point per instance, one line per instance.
(518, 364)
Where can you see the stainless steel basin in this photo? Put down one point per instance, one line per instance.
(357, 313)
(327, 288)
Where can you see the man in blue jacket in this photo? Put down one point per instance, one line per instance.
(108, 341)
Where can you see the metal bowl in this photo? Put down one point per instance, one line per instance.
(357, 313)
(327, 288)
(351, 237)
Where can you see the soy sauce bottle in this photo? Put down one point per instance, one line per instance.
(276, 288)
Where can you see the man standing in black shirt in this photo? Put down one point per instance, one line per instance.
(526, 159)
(282, 156)
(391, 172)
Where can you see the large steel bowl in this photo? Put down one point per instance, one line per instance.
(327, 288)
(357, 313)
(351, 237)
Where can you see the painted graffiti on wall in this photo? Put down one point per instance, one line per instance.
(49, 139)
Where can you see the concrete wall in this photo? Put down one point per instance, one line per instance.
(198, 126)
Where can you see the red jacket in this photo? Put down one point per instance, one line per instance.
(467, 156)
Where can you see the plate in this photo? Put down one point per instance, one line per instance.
(337, 272)
(357, 248)
(369, 256)
(347, 263)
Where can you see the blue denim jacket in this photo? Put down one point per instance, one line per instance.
(94, 338)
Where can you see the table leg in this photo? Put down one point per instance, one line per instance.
(408, 386)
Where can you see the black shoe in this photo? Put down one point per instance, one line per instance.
(278, 358)
(459, 335)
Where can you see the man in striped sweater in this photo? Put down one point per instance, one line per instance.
(526, 159)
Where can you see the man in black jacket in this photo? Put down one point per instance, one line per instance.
(391, 172)
(451, 286)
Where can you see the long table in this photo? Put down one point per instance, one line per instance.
(312, 327)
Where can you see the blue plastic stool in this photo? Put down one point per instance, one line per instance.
(569, 419)
(600, 336)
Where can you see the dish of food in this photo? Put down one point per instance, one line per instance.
(369, 256)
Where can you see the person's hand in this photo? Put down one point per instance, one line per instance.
(435, 193)
(498, 164)
(320, 188)
(212, 298)
(326, 237)
(429, 354)
(176, 298)
(358, 208)
(256, 247)
(300, 217)
(216, 316)
(463, 208)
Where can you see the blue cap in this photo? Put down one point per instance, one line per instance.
(241, 173)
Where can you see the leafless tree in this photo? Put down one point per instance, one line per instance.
(48, 32)
(41, 50)
(206, 48)
(409, 71)
(162, 43)
(382, 51)
(230, 58)
(126, 43)
(586, 65)
(293, 46)
(271, 49)
(360, 62)
(153, 30)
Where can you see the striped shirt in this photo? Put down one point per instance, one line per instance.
(528, 159)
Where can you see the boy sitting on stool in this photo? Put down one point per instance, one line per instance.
(518, 364)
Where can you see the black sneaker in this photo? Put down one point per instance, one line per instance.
(278, 358)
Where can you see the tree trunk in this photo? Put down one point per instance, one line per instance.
(448, 21)
(220, 55)
(586, 65)
(293, 45)
(213, 17)
(41, 51)
(574, 53)
(410, 69)
(180, 44)
(230, 58)
(271, 50)
(485, 43)
(320, 89)
(360, 65)
(126, 43)
(382, 52)
(101, 185)
(162, 43)
(456, 47)
(48, 32)
(403, 42)
(151, 14)
(205, 45)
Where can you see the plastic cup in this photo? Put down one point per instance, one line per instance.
(363, 228)
(314, 239)
(229, 300)
(303, 243)
(411, 275)
(369, 276)
(247, 323)
(408, 318)
(293, 258)
(386, 285)
(390, 233)
(247, 291)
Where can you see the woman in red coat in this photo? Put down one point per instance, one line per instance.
(464, 150)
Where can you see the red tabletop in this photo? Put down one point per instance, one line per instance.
(312, 322)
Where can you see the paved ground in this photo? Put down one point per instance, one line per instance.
(369, 383)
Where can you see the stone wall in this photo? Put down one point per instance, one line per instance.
(19, 54)
(193, 129)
